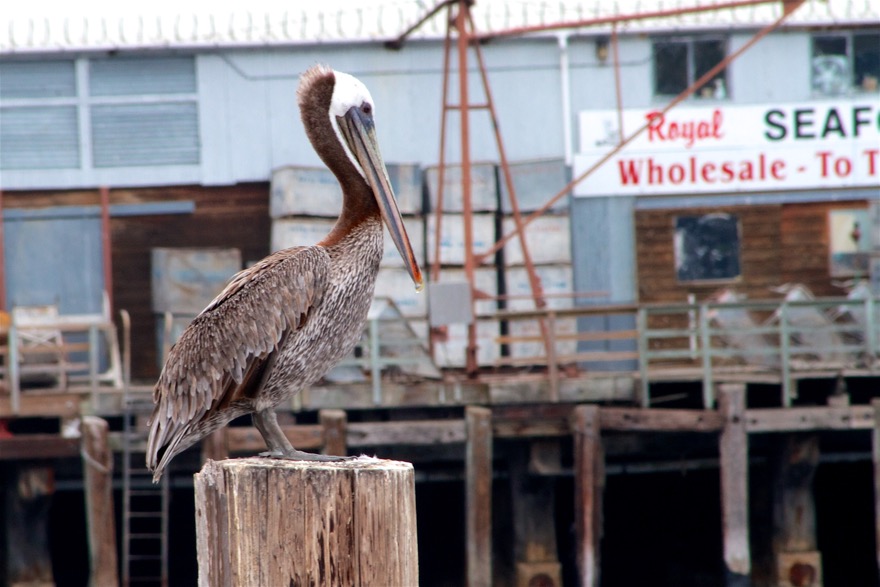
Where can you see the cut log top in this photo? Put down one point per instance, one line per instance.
(277, 522)
(361, 463)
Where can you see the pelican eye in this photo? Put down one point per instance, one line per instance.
(366, 108)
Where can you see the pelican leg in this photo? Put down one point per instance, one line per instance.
(279, 447)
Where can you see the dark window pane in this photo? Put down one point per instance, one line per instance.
(866, 61)
(708, 54)
(830, 71)
(707, 247)
(829, 46)
(37, 79)
(39, 138)
(670, 67)
(145, 134)
(136, 76)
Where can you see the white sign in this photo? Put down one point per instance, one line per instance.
(811, 145)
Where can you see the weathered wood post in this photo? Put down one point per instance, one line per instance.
(589, 483)
(275, 522)
(875, 437)
(795, 547)
(98, 476)
(733, 447)
(478, 496)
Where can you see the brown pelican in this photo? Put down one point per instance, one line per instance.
(280, 325)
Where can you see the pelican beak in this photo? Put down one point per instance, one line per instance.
(360, 133)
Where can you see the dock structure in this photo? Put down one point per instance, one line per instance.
(522, 431)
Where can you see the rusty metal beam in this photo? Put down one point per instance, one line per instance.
(441, 170)
(614, 19)
(534, 281)
(401, 39)
(461, 19)
(789, 7)
(106, 252)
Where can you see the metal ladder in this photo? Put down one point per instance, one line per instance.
(144, 504)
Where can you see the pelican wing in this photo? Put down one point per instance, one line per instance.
(225, 352)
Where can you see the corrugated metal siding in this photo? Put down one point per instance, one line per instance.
(37, 79)
(139, 76)
(145, 134)
(45, 137)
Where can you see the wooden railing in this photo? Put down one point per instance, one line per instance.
(773, 341)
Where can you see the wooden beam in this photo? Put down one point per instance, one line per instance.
(38, 446)
(98, 480)
(589, 481)
(810, 418)
(276, 522)
(734, 460)
(357, 435)
(333, 424)
(248, 439)
(478, 496)
(215, 447)
(42, 404)
(660, 420)
(413, 433)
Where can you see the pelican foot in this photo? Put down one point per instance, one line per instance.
(298, 455)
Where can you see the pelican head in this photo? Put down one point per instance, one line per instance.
(350, 114)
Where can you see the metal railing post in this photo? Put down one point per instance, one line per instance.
(785, 355)
(642, 326)
(12, 372)
(93, 366)
(871, 331)
(706, 341)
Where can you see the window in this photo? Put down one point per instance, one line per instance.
(98, 113)
(39, 128)
(707, 247)
(680, 62)
(845, 62)
(849, 242)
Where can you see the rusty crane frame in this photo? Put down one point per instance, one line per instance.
(459, 21)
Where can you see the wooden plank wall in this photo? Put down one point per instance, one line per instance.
(760, 255)
(778, 244)
(805, 232)
(225, 216)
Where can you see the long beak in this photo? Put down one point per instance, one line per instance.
(360, 134)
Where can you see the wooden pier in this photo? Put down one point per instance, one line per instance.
(529, 429)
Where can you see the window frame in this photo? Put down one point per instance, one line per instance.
(87, 173)
(854, 87)
(681, 258)
(690, 41)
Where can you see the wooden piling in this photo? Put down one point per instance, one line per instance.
(276, 522)
(26, 559)
(589, 481)
(98, 477)
(215, 446)
(533, 500)
(333, 427)
(734, 457)
(797, 560)
(478, 497)
(875, 403)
